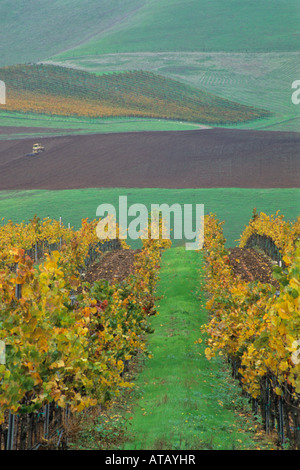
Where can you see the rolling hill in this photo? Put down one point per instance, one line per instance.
(57, 90)
(239, 50)
(205, 25)
(35, 30)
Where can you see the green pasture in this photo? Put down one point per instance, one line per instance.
(33, 31)
(206, 25)
(232, 205)
(76, 28)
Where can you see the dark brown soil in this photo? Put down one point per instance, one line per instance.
(205, 158)
(113, 266)
(252, 265)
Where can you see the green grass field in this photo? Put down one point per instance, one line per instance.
(32, 32)
(232, 205)
(206, 25)
(103, 26)
(180, 401)
(176, 409)
(62, 125)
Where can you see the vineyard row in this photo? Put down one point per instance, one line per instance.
(255, 326)
(68, 352)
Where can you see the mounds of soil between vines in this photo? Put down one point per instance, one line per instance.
(113, 266)
(248, 263)
(252, 265)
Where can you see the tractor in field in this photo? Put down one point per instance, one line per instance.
(36, 149)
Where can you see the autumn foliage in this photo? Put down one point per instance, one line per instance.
(63, 350)
(252, 323)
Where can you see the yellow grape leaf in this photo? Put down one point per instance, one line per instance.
(282, 329)
(80, 407)
(37, 333)
(208, 353)
(284, 311)
(61, 401)
(43, 344)
(37, 378)
(126, 384)
(57, 364)
(56, 255)
(74, 282)
(287, 260)
(283, 366)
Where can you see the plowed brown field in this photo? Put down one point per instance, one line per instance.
(203, 158)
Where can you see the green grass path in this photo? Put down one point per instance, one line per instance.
(183, 400)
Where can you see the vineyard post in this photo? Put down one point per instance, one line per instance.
(281, 421)
(18, 288)
(10, 432)
(60, 223)
(11, 419)
(46, 422)
(255, 406)
(72, 297)
(67, 417)
(267, 406)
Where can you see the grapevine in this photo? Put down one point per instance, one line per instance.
(63, 351)
(253, 323)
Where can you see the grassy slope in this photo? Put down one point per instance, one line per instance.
(232, 205)
(254, 79)
(36, 29)
(184, 401)
(207, 25)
